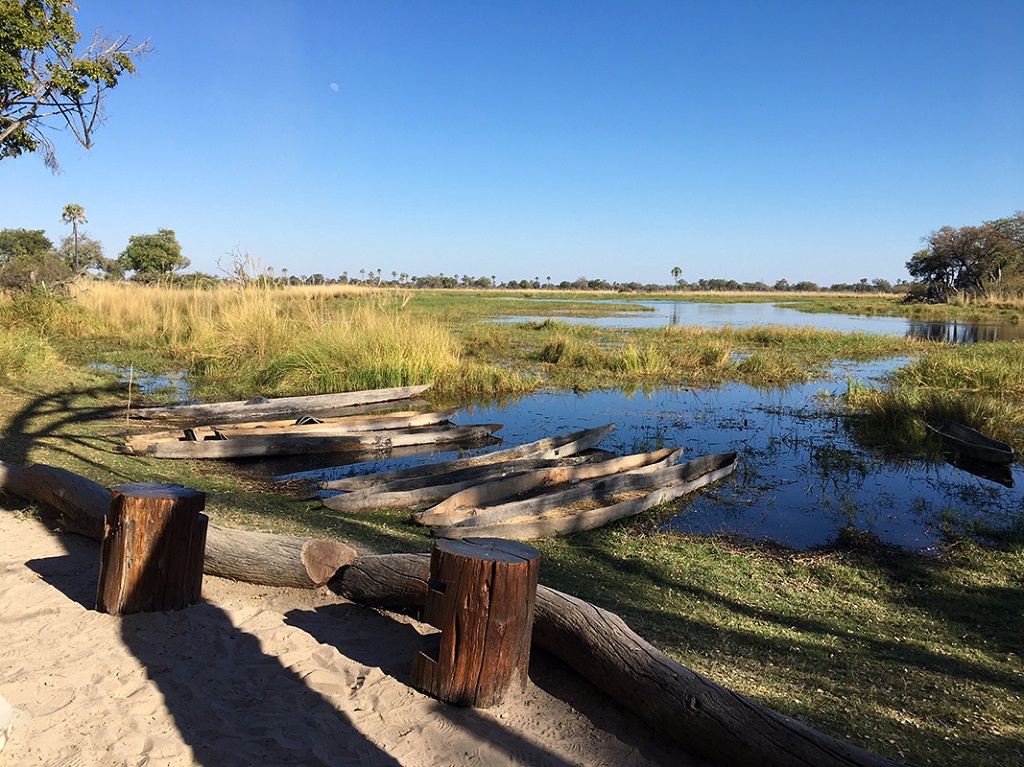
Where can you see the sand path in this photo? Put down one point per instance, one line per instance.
(259, 676)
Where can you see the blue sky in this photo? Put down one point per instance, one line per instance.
(742, 140)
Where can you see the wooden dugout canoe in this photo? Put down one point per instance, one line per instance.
(326, 427)
(969, 442)
(559, 446)
(419, 492)
(600, 501)
(265, 445)
(260, 407)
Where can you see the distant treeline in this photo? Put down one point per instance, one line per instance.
(974, 261)
(466, 281)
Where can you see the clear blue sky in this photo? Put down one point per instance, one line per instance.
(810, 140)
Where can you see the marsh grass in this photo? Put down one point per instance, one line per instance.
(905, 655)
(980, 385)
(239, 339)
(586, 357)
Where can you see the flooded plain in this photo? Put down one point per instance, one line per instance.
(802, 476)
(657, 314)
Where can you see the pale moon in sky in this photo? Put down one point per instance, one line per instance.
(334, 87)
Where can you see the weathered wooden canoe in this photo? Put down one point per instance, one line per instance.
(548, 448)
(586, 506)
(258, 445)
(969, 442)
(303, 426)
(260, 407)
(417, 492)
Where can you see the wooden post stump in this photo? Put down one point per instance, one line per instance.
(481, 596)
(154, 539)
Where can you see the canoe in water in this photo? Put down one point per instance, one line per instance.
(969, 442)
(563, 510)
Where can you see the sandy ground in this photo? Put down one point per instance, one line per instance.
(259, 676)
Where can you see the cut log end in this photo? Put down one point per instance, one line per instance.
(323, 558)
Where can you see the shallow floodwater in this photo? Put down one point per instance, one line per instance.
(657, 314)
(801, 476)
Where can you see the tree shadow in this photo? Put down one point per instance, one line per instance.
(232, 703)
(374, 639)
(59, 417)
(901, 568)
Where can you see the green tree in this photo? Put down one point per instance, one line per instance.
(28, 261)
(15, 243)
(153, 254)
(45, 85)
(87, 256)
(676, 273)
(74, 214)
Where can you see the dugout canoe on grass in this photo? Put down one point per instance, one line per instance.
(306, 425)
(282, 407)
(258, 445)
(586, 506)
(417, 492)
(549, 448)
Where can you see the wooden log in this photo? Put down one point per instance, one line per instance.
(151, 558)
(481, 596)
(723, 726)
(260, 407)
(274, 560)
(271, 560)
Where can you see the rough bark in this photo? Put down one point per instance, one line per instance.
(152, 553)
(481, 596)
(271, 560)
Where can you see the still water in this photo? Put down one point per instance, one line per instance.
(657, 314)
(802, 477)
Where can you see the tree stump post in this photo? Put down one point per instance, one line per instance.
(154, 540)
(481, 595)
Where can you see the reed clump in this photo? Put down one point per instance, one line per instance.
(257, 337)
(978, 385)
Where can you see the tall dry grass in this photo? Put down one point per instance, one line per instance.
(236, 340)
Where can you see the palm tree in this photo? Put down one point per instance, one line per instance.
(74, 214)
(676, 272)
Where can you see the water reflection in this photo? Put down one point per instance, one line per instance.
(667, 313)
(802, 476)
(965, 333)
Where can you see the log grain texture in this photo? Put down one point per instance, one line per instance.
(722, 725)
(481, 596)
(151, 557)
